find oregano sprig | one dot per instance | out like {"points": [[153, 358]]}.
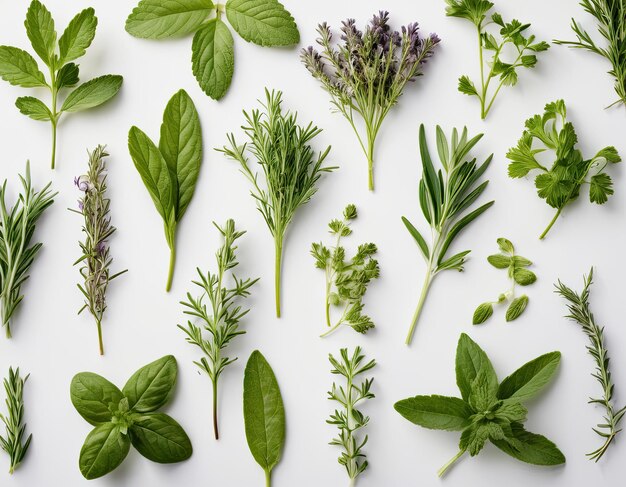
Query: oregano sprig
{"points": [[220, 323], [19, 68], [15, 443]]}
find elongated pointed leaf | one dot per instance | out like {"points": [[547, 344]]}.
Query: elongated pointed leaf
{"points": [[93, 93], [436, 412], [103, 451], [94, 397], [19, 68], [68, 75], [78, 36], [471, 361], [151, 387], [213, 58], [41, 32], [442, 147], [34, 108], [418, 238], [455, 262], [532, 448], [159, 438], [429, 176], [158, 19], [530, 378], [264, 22]]}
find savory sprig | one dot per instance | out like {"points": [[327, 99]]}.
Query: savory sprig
{"points": [[290, 168], [559, 184], [516, 267], [580, 312], [499, 69], [17, 227], [96, 258], [346, 280], [15, 443], [19, 68], [611, 18], [366, 73], [348, 419], [444, 198], [221, 324]]}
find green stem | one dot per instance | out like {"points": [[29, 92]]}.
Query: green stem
{"points": [[370, 162], [55, 116], [54, 143], [215, 426], [352, 482], [420, 304], [278, 256], [545, 232], [443, 469], [268, 478], [170, 274], [8, 329], [100, 343]]}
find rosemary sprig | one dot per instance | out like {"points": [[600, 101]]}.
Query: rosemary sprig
{"points": [[581, 313], [290, 168], [221, 324], [17, 227], [350, 420], [96, 260], [14, 443]]}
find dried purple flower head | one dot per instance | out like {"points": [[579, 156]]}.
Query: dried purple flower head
{"points": [[83, 183]]}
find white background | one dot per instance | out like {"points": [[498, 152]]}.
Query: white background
{"points": [[53, 344]]}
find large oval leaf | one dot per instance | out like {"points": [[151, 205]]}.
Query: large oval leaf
{"points": [[436, 412], [263, 412], [41, 32], [78, 36], [151, 387], [93, 93], [531, 448], [33, 108], [159, 438], [264, 22], [213, 58], [103, 451], [530, 378], [157, 19], [94, 397], [471, 361], [19, 68]]}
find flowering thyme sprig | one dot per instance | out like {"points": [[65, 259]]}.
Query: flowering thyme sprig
{"points": [[366, 72], [96, 260]]}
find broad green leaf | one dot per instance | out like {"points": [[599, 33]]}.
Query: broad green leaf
{"points": [[264, 22], [93, 93], [436, 412], [516, 308], [505, 245], [213, 58], [482, 313], [532, 448], [40, 30], [94, 397], [78, 36], [263, 412], [151, 387], [524, 277], [181, 146], [158, 19], [34, 108], [609, 154], [68, 75], [103, 451], [600, 188], [19, 68], [159, 438], [530, 378], [421, 243], [499, 261], [519, 261], [471, 360]]}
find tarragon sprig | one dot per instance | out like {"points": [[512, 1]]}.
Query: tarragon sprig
{"points": [[15, 443]]}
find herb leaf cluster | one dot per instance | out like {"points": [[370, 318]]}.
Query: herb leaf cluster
{"points": [[262, 22], [488, 410], [346, 279], [221, 324], [129, 417], [19, 68], [15, 444], [446, 198], [516, 267], [559, 184], [499, 68], [366, 73]]}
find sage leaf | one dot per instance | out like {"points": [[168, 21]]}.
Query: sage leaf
{"points": [[263, 22], [34, 108], [93, 93], [94, 397], [471, 361], [530, 378], [159, 438], [78, 36], [19, 68], [263, 412], [104, 450], [530, 447], [40, 30], [517, 307], [436, 412], [158, 19], [213, 58], [151, 387], [482, 313]]}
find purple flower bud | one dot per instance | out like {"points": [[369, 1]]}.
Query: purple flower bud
{"points": [[83, 183], [81, 205]]}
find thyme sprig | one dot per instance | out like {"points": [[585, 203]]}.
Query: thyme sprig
{"points": [[14, 443]]}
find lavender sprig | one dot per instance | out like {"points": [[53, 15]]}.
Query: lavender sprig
{"points": [[96, 260], [366, 72]]}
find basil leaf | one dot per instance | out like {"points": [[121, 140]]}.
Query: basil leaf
{"points": [[93, 93], [67, 75], [159, 438], [516, 308], [151, 387], [471, 361], [263, 412], [264, 22], [181, 146], [34, 108], [530, 378], [436, 412], [103, 451], [40, 30], [213, 58], [78, 36], [530, 447], [94, 397], [19, 68], [158, 19]]}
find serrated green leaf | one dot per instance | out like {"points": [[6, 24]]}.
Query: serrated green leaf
{"points": [[213, 58], [77, 36], [471, 361], [93, 93], [41, 32], [530, 378], [435, 412], [19, 68], [158, 19], [516, 308], [467, 87], [68, 75], [263, 22], [482, 313], [499, 261], [600, 188], [534, 449], [33, 108], [609, 154]]}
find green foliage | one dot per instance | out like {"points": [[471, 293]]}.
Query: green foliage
{"points": [[499, 68], [19, 68], [348, 419], [488, 410], [559, 184], [446, 198], [262, 22], [15, 444], [170, 171], [129, 416], [346, 279], [580, 312]]}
